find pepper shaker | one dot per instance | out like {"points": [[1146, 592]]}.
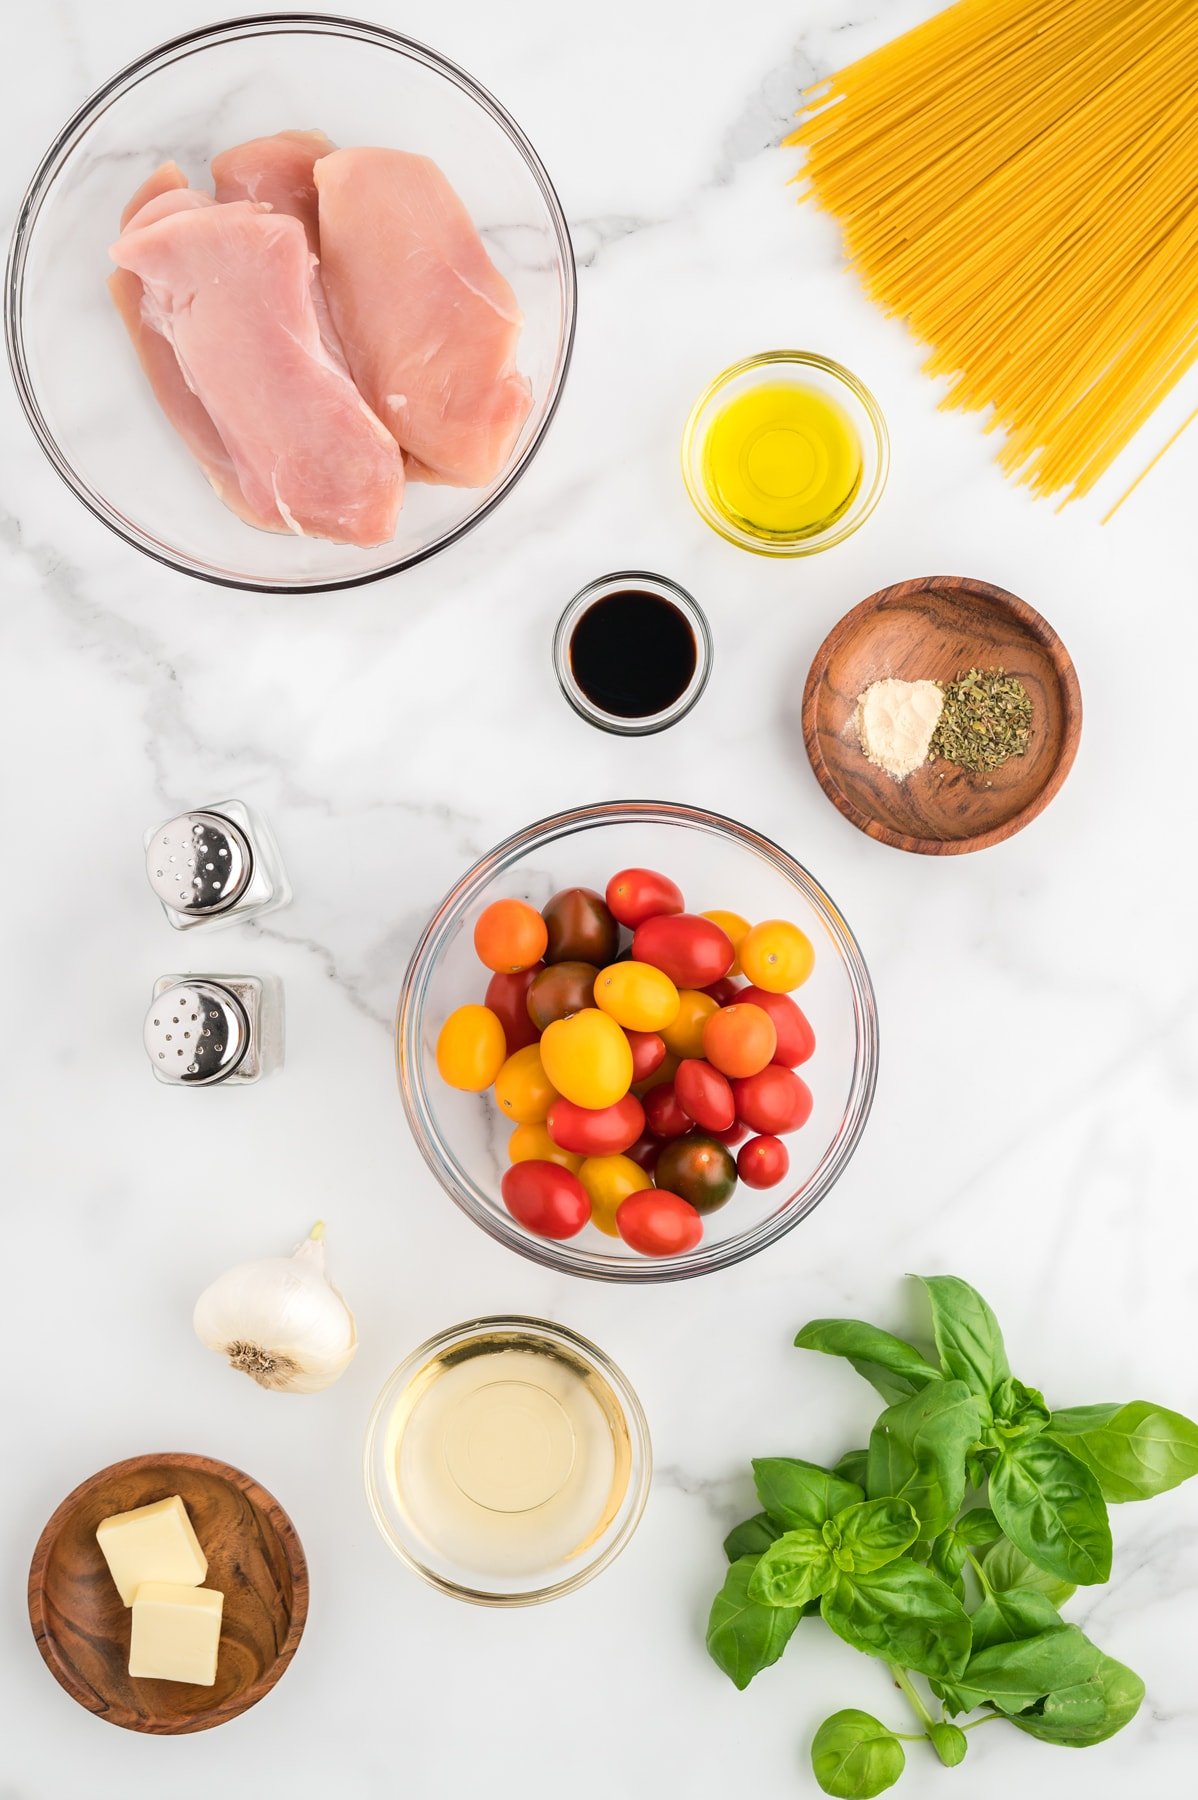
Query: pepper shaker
{"points": [[215, 865], [212, 1030]]}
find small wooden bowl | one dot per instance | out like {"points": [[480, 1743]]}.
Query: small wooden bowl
{"points": [[254, 1558], [935, 628]]}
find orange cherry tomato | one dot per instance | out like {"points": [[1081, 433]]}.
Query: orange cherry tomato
{"points": [[637, 996], [510, 935], [587, 1058], [522, 1088], [608, 1181], [773, 1101], [684, 1035], [471, 1049], [796, 1040], [776, 956], [635, 895], [507, 996], [658, 1223], [532, 1143], [739, 1040], [545, 1198], [734, 929]]}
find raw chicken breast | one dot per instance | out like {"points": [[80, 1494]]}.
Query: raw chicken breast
{"points": [[428, 324], [278, 171], [164, 192], [229, 287]]}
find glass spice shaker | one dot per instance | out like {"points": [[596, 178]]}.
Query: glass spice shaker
{"points": [[216, 865], [214, 1030]]}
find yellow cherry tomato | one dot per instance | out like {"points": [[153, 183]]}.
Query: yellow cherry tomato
{"points": [[732, 926], [522, 1088], [608, 1180], [636, 995], [685, 1036], [532, 1143], [471, 1049], [587, 1058], [776, 956]]}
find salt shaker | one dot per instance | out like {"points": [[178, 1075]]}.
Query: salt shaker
{"points": [[215, 865], [212, 1030]]}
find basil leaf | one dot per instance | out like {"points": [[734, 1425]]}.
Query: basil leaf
{"points": [[1005, 1618], [867, 1536], [851, 1467], [744, 1637], [1060, 1722], [1018, 1412], [949, 1742], [854, 1756], [889, 1364], [796, 1568], [967, 1334], [1073, 1706], [751, 1537], [1051, 1506], [796, 1493], [904, 1614], [917, 1453], [947, 1558], [1007, 1569], [978, 1528], [1136, 1450], [1016, 1675]]}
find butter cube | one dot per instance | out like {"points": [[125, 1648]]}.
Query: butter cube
{"points": [[151, 1543], [176, 1632]]}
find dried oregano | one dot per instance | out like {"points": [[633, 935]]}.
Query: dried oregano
{"points": [[986, 718]]}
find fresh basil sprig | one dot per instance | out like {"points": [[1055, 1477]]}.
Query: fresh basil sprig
{"points": [[947, 1545]]}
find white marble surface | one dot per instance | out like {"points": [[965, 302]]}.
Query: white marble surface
{"points": [[1035, 1118]]}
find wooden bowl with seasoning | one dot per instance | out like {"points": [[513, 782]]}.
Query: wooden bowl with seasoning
{"points": [[936, 628], [254, 1558]]}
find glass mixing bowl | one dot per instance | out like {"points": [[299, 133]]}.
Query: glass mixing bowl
{"points": [[83, 392], [717, 863]]}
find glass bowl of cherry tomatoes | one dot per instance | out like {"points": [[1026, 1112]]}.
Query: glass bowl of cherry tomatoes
{"points": [[637, 1042]]}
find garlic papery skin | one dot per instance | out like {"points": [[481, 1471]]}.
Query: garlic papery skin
{"points": [[280, 1320]]}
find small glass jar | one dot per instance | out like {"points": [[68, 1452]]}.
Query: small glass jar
{"points": [[657, 588], [507, 1461], [215, 865], [204, 1031]]}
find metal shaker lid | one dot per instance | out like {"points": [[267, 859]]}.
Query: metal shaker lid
{"points": [[199, 863], [196, 1033]]}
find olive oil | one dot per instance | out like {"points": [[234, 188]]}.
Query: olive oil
{"points": [[508, 1455], [782, 461]]}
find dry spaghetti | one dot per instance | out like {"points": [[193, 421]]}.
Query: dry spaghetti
{"points": [[1018, 180]]}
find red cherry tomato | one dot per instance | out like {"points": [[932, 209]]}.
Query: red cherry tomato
{"points": [[704, 1094], [691, 951], [658, 1223], [648, 1053], [604, 1131], [796, 1040], [733, 1135], [507, 997], [724, 991], [663, 1115], [635, 895], [645, 1152], [545, 1198], [762, 1162], [774, 1100]]}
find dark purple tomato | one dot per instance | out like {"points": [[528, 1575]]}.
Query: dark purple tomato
{"points": [[704, 1094], [507, 997], [602, 1131], [658, 1223], [557, 992], [699, 1168], [581, 929], [546, 1199], [691, 951], [645, 1152], [724, 991]]}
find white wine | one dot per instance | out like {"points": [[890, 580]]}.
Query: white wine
{"points": [[508, 1455]]}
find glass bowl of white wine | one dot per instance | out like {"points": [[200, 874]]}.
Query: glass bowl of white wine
{"points": [[507, 1461]]}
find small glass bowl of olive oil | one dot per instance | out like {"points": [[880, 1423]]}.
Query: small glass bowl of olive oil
{"points": [[785, 453], [507, 1461]]}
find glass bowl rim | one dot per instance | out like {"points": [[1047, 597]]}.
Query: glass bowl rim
{"points": [[66, 141], [665, 588], [850, 521], [640, 1475], [600, 1266]]}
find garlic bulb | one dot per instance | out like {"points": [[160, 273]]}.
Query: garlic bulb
{"points": [[280, 1320]]}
